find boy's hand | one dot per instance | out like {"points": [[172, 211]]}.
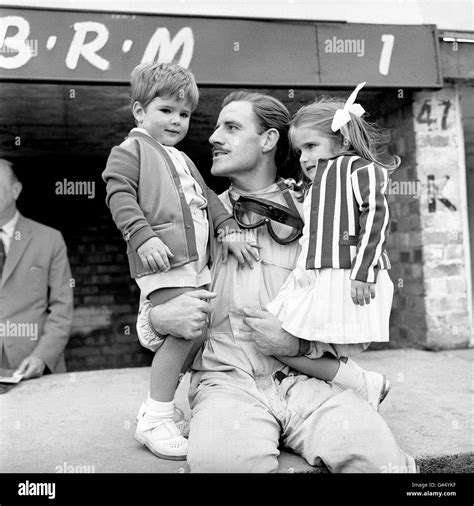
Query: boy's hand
{"points": [[361, 291], [236, 243], [154, 254]]}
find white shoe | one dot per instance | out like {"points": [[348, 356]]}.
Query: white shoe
{"points": [[378, 386], [162, 438], [180, 421]]}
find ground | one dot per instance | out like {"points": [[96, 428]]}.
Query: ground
{"points": [[84, 421]]}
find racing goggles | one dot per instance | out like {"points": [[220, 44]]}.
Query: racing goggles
{"points": [[283, 224]]}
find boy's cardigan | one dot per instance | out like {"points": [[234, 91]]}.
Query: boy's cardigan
{"points": [[146, 199], [349, 217]]}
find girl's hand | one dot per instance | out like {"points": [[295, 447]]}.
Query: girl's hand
{"points": [[361, 291], [236, 243], [154, 254]]}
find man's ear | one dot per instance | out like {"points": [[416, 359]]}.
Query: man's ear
{"points": [[270, 139], [138, 112], [17, 187]]}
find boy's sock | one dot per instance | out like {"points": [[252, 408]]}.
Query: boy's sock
{"points": [[156, 410], [350, 377]]}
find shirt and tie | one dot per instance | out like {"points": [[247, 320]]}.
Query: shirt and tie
{"points": [[6, 236]]}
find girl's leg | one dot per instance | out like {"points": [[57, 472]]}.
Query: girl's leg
{"points": [[324, 368], [343, 372]]}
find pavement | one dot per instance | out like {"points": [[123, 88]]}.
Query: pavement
{"points": [[84, 421]]}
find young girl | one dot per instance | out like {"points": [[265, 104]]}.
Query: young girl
{"points": [[339, 296]]}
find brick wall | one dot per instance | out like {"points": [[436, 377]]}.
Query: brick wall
{"points": [[407, 322], [426, 243], [105, 300], [439, 156]]}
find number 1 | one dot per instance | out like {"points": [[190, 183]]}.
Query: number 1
{"points": [[384, 63]]}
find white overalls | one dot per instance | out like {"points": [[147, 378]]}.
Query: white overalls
{"points": [[240, 410]]}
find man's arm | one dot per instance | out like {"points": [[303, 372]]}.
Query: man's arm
{"points": [[60, 307], [183, 316], [271, 338]]}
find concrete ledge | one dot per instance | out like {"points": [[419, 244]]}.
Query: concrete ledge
{"points": [[85, 420]]}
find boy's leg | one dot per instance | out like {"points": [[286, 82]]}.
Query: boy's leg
{"points": [[166, 368], [156, 427], [173, 354]]}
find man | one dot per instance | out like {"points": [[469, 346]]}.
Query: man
{"points": [[243, 399], [36, 297]]}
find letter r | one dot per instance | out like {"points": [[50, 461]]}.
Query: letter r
{"points": [[89, 50]]}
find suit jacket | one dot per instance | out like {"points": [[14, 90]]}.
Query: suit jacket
{"points": [[36, 297]]}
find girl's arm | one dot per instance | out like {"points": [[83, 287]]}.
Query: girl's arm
{"points": [[369, 183]]}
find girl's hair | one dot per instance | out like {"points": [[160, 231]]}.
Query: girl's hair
{"points": [[366, 139], [151, 80], [269, 113]]}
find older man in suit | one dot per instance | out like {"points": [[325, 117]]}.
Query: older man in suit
{"points": [[36, 296]]}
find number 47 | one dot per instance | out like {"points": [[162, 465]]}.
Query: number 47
{"points": [[385, 56]]}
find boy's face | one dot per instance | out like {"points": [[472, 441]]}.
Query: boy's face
{"points": [[165, 118]]}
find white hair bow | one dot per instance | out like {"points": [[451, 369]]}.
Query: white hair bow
{"points": [[342, 116]]}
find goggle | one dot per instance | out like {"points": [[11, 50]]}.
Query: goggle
{"points": [[284, 224]]}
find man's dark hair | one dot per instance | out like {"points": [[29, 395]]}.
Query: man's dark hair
{"points": [[269, 113]]}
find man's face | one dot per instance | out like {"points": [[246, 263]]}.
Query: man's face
{"points": [[164, 118], [236, 144], [9, 188]]}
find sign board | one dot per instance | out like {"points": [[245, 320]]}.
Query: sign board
{"points": [[60, 45]]}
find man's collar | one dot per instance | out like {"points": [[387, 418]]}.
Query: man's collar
{"points": [[9, 227], [268, 190]]}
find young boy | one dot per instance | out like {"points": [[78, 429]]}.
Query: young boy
{"points": [[163, 208]]}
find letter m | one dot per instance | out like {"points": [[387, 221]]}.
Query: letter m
{"points": [[162, 49]]}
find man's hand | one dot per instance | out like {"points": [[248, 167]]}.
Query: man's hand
{"points": [[237, 244], [154, 254], [184, 316], [361, 291], [31, 367], [268, 334]]}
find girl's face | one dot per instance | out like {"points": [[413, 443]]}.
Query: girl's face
{"points": [[311, 145]]}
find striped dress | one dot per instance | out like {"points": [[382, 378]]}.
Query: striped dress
{"points": [[346, 225]]}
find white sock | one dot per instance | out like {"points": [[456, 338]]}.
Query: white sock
{"points": [[354, 365], [350, 377], [158, 410]]}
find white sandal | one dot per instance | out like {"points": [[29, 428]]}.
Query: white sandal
{"points": [[162, 438]]}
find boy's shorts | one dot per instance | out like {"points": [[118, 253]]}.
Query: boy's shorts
{"points": [[146, 335]]}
